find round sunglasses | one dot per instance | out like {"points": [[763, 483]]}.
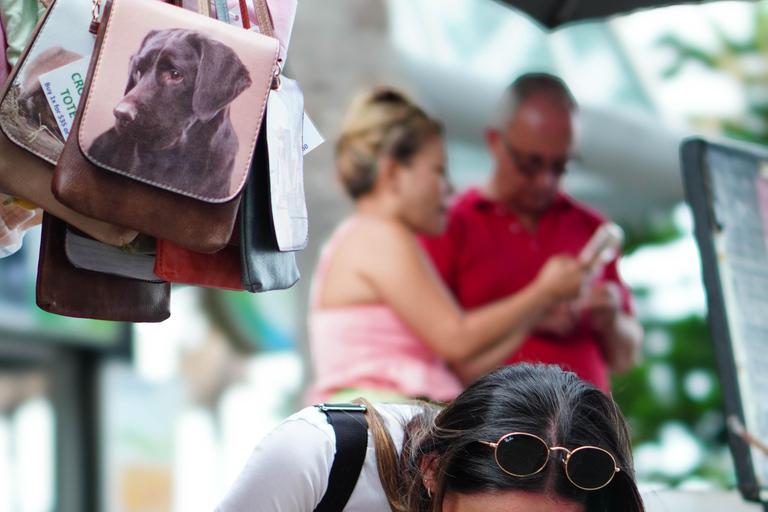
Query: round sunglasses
{"points": [[521, 454]]}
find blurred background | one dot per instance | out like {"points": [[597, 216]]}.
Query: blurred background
{"points": [[161, 418]]}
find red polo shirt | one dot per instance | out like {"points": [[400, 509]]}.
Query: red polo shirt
{"points": [[486, 254]]}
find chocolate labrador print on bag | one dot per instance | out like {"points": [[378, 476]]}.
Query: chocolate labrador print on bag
{"points": [[173, 125], [176, 99]]}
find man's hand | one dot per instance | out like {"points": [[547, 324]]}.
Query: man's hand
{"points": [[561, 277], [619, 333], [560, 321], [603, 302]]}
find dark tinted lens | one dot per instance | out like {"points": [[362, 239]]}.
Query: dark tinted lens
{"points": [[590, 468], [521, 454]]}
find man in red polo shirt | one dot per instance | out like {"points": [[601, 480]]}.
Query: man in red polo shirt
{"points": [[499, 237]]}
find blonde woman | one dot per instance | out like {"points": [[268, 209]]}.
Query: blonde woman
{"points": [[382, 325]]}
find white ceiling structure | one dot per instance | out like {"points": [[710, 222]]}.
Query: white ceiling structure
{"points": [[459, 56]]}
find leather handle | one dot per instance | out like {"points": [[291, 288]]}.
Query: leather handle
{"points": [[262, 15], [204, 8], [260, 7]]}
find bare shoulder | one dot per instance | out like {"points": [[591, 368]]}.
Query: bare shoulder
{"points": [[385, 236], [375, 243], [374, 234]]}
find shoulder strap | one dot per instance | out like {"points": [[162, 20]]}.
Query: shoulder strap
{"points": [[351, 429]]}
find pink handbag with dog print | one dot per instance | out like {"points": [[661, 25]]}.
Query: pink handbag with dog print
{"points": [[165, 135]]}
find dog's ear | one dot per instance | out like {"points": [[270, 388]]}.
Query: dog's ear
{"points": [[135, 60], [221, 77]]}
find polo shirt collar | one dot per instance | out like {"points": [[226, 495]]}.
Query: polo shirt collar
{"points": [[480, 202]]}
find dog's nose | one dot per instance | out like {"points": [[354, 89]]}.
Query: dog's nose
{"points": [[125, 113]]}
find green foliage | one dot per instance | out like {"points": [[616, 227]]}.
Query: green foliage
{"points": [[658, 232], [647, 395], [745, 61], [650, 402], [655, 393]]}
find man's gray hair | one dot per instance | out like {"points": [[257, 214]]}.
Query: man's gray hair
{"points": [[529, 85]]}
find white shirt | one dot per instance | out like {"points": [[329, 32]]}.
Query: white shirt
{"points": [[288, 470]]}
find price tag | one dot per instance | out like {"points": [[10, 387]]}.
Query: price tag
{"points": [[63, 88], [311, 135]]}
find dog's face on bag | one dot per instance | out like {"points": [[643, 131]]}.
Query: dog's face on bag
{"points": [[177, 78]]}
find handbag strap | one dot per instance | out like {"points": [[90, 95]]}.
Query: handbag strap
{"points": [[204, 8], [263, 18], [351, 429], [259, 6]]}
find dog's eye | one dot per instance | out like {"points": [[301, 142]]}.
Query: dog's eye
{"points": [[175, 75]]}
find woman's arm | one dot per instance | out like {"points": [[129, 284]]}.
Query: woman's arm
{"points": [[395, 266], [474, 368]]}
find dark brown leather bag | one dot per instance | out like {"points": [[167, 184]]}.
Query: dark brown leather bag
{"points": [[66, 290], [26, 162], [102, 173]]}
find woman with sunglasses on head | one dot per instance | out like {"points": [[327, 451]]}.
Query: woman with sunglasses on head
{"points": [[523, 438], [382, 324]]}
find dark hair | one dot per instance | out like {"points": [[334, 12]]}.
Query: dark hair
{"points": [[383, 122], [542, 400], [533, 84]]}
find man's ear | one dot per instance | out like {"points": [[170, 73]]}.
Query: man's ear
{"points": [[429, 468], [491, 136]]}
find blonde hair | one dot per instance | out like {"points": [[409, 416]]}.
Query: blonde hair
{"points": [[380, 123]]}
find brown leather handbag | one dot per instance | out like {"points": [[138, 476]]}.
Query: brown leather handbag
{"points": [[166, 150], [65, 289], [30, 139]]}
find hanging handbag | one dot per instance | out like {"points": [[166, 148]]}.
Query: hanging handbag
{"points": [[279, 227], [30, 137], [173, 159], [64, 289], [263, 266], [258, 264]]}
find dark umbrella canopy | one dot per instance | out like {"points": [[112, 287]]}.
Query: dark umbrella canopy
{"points": [[555, 13]]}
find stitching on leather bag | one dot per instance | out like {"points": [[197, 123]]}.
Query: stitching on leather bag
{"points": [[261, 118], [164, 267], [154, 183], [160, 258], [15, 75]]}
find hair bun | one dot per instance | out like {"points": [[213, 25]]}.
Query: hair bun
{"points": [[385, 94], [383, 121]]}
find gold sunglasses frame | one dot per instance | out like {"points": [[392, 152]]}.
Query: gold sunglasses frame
{"points": [[550, 449]]}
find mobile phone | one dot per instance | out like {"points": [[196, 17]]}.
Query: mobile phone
{"points": [[603, 247]]}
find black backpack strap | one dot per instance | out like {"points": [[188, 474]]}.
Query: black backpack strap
{"points": [[351, 429]]}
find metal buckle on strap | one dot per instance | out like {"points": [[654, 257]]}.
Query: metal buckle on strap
{"points": [[341, 407]]}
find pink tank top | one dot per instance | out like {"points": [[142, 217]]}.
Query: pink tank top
{"points": [[369, 347]]}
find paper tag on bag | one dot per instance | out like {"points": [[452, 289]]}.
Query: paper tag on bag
{"points": [[285, 117], [311, 135], [63, 88]]}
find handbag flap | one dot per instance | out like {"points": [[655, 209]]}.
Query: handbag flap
{"points": [[88, 254], [176, 99], [26, 116], [285, 121]]}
